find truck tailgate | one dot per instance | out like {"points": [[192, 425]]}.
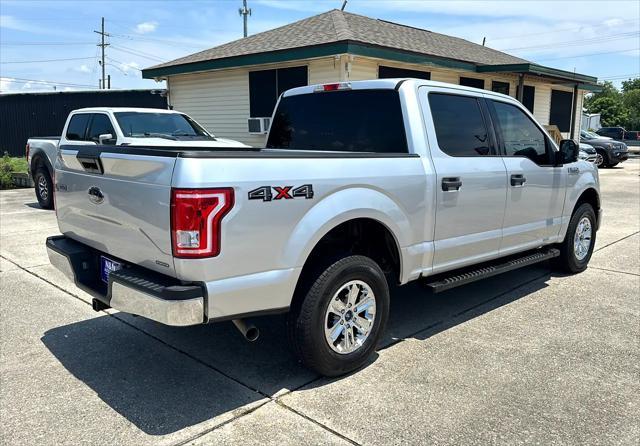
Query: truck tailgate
{"points": [[117, 203]]}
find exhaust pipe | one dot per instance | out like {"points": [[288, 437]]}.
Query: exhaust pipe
{"points": [[248, 330]]}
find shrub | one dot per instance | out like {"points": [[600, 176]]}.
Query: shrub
{"points": [[6, 167]]}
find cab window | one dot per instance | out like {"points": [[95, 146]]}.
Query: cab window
{"points": [[520, 135], [77, 127], [460, 126], [100, 125]]}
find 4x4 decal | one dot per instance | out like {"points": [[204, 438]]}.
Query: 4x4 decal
{"points": [[265, 193]]}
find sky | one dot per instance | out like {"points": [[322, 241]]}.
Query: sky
{"points": [[47, 45]]}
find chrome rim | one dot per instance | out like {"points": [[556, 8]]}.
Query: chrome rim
{"points": [[349, 317], [599, 160], [582, 239], [43, 188]]}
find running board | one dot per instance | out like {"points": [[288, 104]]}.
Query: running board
{"points": [[442, 282]]}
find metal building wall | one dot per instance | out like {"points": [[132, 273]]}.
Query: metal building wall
{"points": [[24, 115]]}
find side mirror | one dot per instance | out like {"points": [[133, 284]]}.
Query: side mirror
{"points": [[568, 152], [106, 139]]}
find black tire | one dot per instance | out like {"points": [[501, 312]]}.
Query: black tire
{"points": [[604, 157], [568, 260], [44, 188], [613, 164], [308, 316]]}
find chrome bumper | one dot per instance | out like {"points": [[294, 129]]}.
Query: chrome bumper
{"points": [[174, 305], [178, 313]]}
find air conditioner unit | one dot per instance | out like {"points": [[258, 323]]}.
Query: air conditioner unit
{"points": [[259, 125]]}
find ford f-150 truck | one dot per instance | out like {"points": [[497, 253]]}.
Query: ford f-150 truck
{"points": [[360, 185], [116, 126]]}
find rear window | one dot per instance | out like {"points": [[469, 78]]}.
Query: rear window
{"points": [[344, 121]]}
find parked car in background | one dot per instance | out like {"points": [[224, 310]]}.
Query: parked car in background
{"points": [[620, 134], [116, 126], [588, 153], [609, 151], [362, 185]]}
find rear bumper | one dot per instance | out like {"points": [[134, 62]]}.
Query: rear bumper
{"points": [[133, 289]]}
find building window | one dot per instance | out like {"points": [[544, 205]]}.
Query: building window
{"points": [[561, 103], [528, 97], [393, 72], [265, 86], [472, 82], [500, 87]]}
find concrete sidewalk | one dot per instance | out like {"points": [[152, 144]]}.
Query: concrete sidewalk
{"points": [[526, 357]]}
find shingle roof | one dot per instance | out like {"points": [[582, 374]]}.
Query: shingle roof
{"points": [[339, 26]]}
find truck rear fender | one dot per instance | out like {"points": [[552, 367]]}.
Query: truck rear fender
{"points": [[343, 206]]}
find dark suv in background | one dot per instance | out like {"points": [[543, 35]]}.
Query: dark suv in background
{"points": [[631, 138], [610, 152]]}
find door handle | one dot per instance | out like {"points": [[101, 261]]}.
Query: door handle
{"points": [[517, 180], [451, 183]]}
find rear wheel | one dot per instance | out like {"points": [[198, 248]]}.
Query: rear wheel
{"points": [[577, 247], [337, 324], [44, 188]]}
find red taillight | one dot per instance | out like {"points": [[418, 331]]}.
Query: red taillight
{"points": [[196, 216], [26, 151]]}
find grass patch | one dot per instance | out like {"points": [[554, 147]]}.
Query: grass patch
{"points": [[9, 165]]}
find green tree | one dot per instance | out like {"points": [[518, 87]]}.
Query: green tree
{"points": [[631, 84], [617, 108]]}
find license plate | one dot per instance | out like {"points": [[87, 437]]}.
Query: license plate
{"points": [[106, 267]]}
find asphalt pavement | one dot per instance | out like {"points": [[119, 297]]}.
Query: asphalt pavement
{"points": [[527, 357]]}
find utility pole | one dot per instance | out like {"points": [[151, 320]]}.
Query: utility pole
{"points": [[103, 46], [245, 12]]}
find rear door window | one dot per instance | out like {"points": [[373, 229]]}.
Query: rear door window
{"points": [[343, 121], [100, 125], [460, 126], [77, 127]]}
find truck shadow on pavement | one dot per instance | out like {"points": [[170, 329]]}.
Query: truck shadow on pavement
{"points": [[164, 379]]}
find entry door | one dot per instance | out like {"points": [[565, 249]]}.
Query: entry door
{"points": [[471, 178], [536, 189]]}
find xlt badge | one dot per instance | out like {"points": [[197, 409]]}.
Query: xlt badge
{"points": [[269, 193]]}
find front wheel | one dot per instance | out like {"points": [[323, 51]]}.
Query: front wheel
{"points": [[577, 247], [338, 323], [44, 188]]}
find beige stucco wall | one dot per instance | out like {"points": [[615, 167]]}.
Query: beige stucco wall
{"points": [[219, 100]]}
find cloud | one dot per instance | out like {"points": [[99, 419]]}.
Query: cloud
{"points": [[146, 27], [10, 22], [6, 84], [84, 69], [129, 66]]}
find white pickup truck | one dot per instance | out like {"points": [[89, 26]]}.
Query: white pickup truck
{"points": [[360, 185], [117, 126]]}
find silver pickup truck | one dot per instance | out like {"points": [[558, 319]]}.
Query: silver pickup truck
{"points": [[361, 185]]}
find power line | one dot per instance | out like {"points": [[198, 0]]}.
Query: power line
{"points": [[44, 60], [619, 76], [136, 53], [587, 55], [23, 80], [123, 63], [44, 43], [599, 39], [151, 39], [554, 31]]}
